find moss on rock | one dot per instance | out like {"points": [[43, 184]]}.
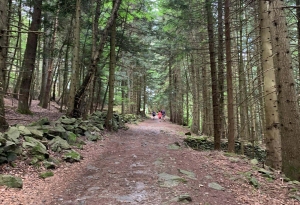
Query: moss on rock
{"points": [[11, 181], [72, 156], [47, 174]]}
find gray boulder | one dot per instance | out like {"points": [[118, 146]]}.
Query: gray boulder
{"points": [[58, 131], [36, 148], [42, 121], [24, 130], [2, 141], [58, 144], [12, 134], [67, 121], [7, 150], [72, 156], [38, 134], [71, 137], [90, 136], [49, 165], [216, 186], [69, 127]]}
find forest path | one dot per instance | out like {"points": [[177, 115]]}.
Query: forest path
{"points": [[144, 165], [132, 167]]}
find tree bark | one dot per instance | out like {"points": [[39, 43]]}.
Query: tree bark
{"points": [[75, 61], [29, 58], [111, 77], [3, 58], [298, 33], [46, 96], [170, 86], [95, 31], [18, 52], [205, 103], [6, 74], [46, 56], [144, 92], [221, 66], [211, 40], [230, 108], [287, 97], [195, 127]]}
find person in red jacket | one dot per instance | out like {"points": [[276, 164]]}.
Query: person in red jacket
{"points": [[159, 115]]}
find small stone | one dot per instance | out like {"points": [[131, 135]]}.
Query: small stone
{"points": [[216, 186], [184, 197]]}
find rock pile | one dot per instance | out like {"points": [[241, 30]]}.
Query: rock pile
{"points": [[37, 142], [206, 143]]}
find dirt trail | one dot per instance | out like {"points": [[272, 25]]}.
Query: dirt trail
{"points": [[132, 167], [127, 171]]}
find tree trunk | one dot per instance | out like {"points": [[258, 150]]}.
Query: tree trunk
{"points": [[221, 66], [145, 92], [104, 98], [123, 84], [95, 59], [170, 87], [111, 78], [205, 103], [99, 100], [216, 113], [46, 96], [195, 127], [9, 17], [229, 79], [92, 94], [187, 92], [18, 52], [46, 55], [65, 76], [29, 58], [298, 33], [287, 98], [138, 95], [94, 50], [75, 61], [3, 58]]}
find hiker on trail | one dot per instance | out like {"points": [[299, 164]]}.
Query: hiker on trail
{"points": [[163, 112], [159, 115], [153, 115]]}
